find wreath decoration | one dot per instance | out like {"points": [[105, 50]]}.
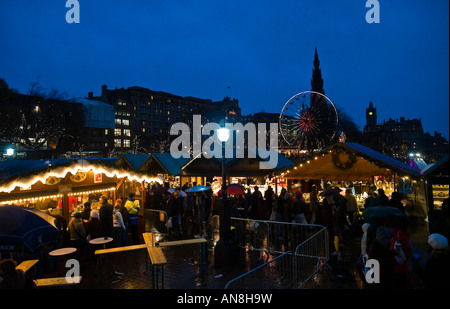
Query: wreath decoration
{"points": [[52, 180], [342, 165], [78, 177]]}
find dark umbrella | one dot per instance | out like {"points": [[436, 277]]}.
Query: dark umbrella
{"points": [[198, 189], [235, 188], [159, 189], [22, 226], [331, 191], [382, 212]]}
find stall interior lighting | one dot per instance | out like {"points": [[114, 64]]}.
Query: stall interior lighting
{"points": [[40, 198], [31, 199], [92, 191]]}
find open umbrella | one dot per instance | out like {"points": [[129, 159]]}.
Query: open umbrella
{"points": [[198, 189], [331, 191], [235, 188], [182, 193], [382, 212], [25, 227]]}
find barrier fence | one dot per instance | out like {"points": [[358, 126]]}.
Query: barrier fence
{"points": [[298, 252], [271, 236], [277, 273], [156, 219], [295, 252]]}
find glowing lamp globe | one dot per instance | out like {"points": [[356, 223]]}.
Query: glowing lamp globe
{"points": [[223, 134]]}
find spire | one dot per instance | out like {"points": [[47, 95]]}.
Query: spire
{"points": [[317, 81]]}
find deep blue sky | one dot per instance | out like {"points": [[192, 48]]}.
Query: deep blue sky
{"points": [[263, 49]]}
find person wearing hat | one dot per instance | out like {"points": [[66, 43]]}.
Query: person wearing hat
{"points": [[77, 233], [437, 269], [379, 250], [94, 226], [86, 211], [93, 230]]}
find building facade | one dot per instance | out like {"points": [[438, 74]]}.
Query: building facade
{"points": [[399, 138], [143, 117]]}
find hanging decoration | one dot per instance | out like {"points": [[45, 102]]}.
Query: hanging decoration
{"points": [[338, 163], [79, 176]]}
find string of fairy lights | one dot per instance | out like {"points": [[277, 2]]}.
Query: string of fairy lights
{"points": [[55, 196], [61, 172]]}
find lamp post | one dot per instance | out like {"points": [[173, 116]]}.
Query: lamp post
{"points": [[223, 249]]}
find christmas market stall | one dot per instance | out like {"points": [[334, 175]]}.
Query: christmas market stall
{"points": [[244, 171], [345, 164], [437, 189], [65, 185]]}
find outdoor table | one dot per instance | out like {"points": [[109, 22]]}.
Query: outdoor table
{"points": [[101, 241], [59, 253], [62, 251]]}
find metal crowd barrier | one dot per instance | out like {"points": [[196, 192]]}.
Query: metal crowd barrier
{"points": [[156, 219], [275, 274], [271, 236], [301, 250], [310, 256]]}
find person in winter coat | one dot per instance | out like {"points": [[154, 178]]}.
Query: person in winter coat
{"points": [[379, 250], [174, 210], [400, 244], [106, 218], [352, 204], [437, 268], [77, 233], [119, 226], [299, 209], [12, 278], [133, 217]]}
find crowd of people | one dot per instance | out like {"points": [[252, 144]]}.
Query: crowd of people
{"points": [[383, 239], [117, 221]]}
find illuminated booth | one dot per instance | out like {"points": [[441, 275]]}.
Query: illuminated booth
{"points": [[437, 189], [352, 163], [66, 184]]}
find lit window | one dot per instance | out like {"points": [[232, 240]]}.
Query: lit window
{"points": [[125, 122], [126, 143], [126, 132], [118, 121], [117, 143]]}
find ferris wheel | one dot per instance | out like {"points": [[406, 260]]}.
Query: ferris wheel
{"points": [[308, 121]]}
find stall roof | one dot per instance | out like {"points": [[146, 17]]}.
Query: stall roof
{"points": [[238, 167], [10, 169], [135, 160], [381, 158], [24, 173], [370, 163], [169, 163], [438, 172]]}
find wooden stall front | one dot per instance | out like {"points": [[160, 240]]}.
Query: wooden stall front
{"points": [[70, 185]]}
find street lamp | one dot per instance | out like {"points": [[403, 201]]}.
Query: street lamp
{"points": [[10, 152], [223, 249]]}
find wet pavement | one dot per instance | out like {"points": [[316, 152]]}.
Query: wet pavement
{"points": [[184, 269]]}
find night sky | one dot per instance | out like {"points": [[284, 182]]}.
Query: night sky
{"points": [[262, 49]]}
